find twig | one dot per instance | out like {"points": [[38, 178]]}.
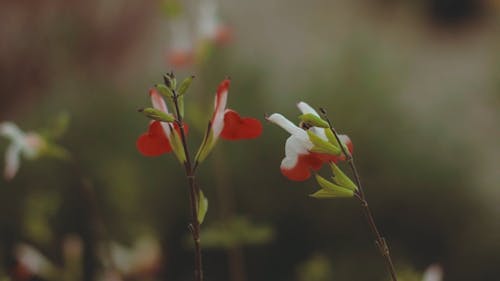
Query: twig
{"points": [[379, 240]]}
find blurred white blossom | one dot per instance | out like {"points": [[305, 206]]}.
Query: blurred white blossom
{"points": [[433, 273], [27, 144]]}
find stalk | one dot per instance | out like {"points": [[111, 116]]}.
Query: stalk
{"points": [[194, 226], [360, 195]]}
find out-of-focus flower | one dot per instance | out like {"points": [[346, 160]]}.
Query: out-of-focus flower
{"points": [[27, 144], [308, 147], [160, 135], [433, 273], [227, 124], [181, 51], [188, 46], [209, 26], [142, 260], [30, 262]]}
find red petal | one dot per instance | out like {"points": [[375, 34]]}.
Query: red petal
{"points": [[154, 142], [302, 170], [237, 128]]}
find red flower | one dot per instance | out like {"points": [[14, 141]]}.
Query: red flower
{"points": [[227, 123], [157, 139], [300, 158]]}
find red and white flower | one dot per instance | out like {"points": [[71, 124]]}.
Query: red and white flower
{"points": [[300, 158], [158, 139], [227, 123]]}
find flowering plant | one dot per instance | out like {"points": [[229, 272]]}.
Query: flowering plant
{"points": [[315, 142], [168, 132]]}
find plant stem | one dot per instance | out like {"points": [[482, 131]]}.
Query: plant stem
{"points": [[379, 239], [194, 227]]}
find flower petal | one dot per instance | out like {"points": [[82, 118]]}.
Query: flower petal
{"points": [[157, 100], [237, 128], [287, 125], [302, 169], [220, 107], [154, 142], [306, 108], [12, 161]]}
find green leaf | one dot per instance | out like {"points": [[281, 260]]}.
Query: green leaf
{"points": [[313, 120], [322, 146], [341, 179], [202, 206], [185, 85], [157, 114], [330, 190]]}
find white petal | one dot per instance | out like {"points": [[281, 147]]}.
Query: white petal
{"points": [[305, 108], [294, 147], [12, 132], [12, 161], [286, 124], [220, 109], [157, 100]]}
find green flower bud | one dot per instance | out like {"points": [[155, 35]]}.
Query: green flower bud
{"points": [[157, 114], [185, 85], [322, 146], [313, 120]]}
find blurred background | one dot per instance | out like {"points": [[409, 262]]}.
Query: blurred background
{"points": [[415, 84]]}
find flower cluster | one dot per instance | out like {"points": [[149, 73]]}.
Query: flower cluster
{"points": [[313, 143], [164, 133]]}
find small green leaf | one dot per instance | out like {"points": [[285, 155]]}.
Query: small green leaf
{"points": [[202, 207], [341, 179], [313, 120], [322, 146], [157, 114], [330, 190], [185, 85]]}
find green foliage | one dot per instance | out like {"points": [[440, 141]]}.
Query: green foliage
{"points": [[237, 231], [202, 207]]}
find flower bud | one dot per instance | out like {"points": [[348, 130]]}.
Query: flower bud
{"points": [[185, 85], [313, 120], [157, 114]]}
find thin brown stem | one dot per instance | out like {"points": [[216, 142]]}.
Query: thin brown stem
{"points": [[360, 195], [194, 227]]}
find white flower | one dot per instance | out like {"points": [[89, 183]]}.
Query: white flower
{"points": [[26, 144], [299, 158]]}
